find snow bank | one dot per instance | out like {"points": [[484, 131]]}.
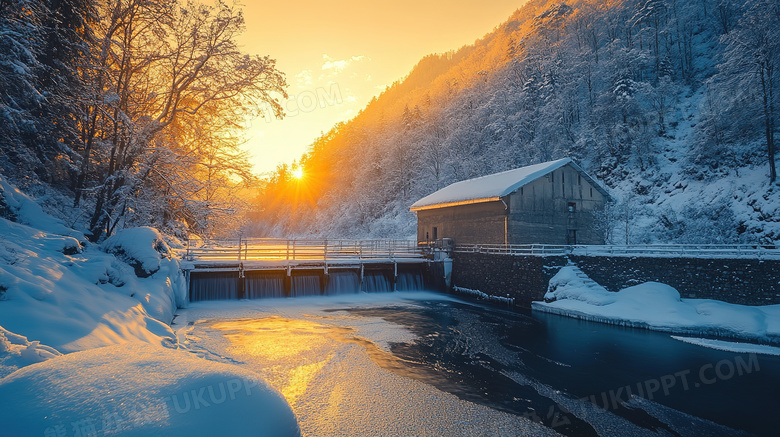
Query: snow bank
{"points": [[145, 250], [657, 306], [80, 301], [142, 248], [16, 351], [60, 290], [140, 389], [26, 210], [730, 346]]}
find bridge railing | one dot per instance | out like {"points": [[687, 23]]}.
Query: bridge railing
{"points": [[662, 250], [262, 249]]}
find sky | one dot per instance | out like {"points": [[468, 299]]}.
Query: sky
{"points": [[339, 54]]}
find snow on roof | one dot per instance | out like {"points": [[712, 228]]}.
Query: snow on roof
{"points": [[494, 186]]}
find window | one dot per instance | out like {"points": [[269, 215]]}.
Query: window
{"points": [[435, 233], [579, 179], [572, 207], [591, 191], [563, 177]]}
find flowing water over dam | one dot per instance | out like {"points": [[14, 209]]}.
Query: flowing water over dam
{"points": [[427, 364], [271, 284]]}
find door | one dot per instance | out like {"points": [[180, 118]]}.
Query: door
{"points": [[571, 237]]}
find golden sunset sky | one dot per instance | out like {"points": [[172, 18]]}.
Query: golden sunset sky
{"points": [[338, 54]]}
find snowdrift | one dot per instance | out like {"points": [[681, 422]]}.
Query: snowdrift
{"points": [[657, 306], [140, 389], [61, 291]]}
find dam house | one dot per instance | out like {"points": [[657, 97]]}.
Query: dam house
{"points": [[549, 203]]}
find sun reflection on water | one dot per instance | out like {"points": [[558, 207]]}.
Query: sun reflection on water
{"points": [[292, 352]]}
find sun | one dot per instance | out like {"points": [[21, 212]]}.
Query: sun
{"points": [[298, 173]]}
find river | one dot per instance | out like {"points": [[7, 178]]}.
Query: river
{"points": [[428, 364]]}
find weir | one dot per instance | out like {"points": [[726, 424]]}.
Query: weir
{"points": [[254, 269]]}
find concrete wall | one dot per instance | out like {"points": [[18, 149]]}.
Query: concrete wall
{"points": [[539, 212], [466, 224], [525, 278]]}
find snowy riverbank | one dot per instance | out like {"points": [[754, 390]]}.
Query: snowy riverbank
{"points": [[85, 342], [657, 306]]}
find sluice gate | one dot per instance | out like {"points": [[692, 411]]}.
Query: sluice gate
{"points": [[253, 269]]}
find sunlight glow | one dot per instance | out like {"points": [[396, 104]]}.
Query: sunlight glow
{"points": [[298, 173]]}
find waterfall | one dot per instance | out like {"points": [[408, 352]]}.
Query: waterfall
{"points": [[262, 284], [410, 281], [376, 282], [343, 283], [222, 285], [213, 286], [305, 285]]}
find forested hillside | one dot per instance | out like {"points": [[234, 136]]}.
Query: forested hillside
{"points": [[117, 113], [672, 104]]}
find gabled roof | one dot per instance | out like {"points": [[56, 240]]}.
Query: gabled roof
{"points": [[495, 186]]}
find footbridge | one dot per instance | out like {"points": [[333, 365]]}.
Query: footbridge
{"points": [[253, 268]]}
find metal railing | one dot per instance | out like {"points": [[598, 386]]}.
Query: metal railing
{"points": [[659, 250], [265, 249], [513, 249]]}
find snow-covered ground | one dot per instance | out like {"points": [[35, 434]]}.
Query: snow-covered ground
{"points": [[58, 289], [140, 389], [657, 306], [85, 342]]}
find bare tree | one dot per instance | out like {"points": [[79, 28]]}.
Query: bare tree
{"points": [[155, 63], [752, 61]]}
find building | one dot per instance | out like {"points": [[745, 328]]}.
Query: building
{"points": [[548, 203]]}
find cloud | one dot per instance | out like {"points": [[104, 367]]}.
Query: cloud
{"points": [[303, 78], [338, 65]]}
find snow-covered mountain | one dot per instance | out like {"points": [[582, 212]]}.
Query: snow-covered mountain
{"points": [[671, 104]]}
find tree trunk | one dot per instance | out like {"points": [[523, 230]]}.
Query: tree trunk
{"points": [[769, 116]]}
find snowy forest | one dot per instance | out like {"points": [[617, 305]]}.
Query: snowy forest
{"points": [[119, 113], [671, 104]]}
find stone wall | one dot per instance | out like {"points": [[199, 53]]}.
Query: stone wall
{"points": [[741, 281], [525, 278]]}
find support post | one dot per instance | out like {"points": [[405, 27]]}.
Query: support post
{"points": [[361, 276], [395, 276], [241, 281], [324, 278], [187, 281]]}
